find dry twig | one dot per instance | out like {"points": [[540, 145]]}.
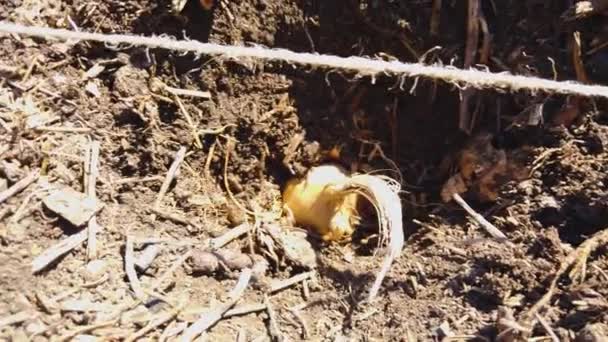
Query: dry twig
{"points": [[70, 336], [485, 224], [547, 327], [188, 92], [130, 269], [16, 318], [230, 235], [63, 129], [465, 121], [295, 311], [167, 317], [576, 259], [61, 248], [273, 326], [245, 309], [174, 217], [19, 186], [278, 285], [179, 158], [435, 18], [209, 318], [90, 182], [137, 180], [193, 130]]}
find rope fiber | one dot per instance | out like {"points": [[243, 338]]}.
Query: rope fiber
{"points": [[470, 77]]}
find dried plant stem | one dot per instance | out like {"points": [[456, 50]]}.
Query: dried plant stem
{"points": [[90, 182], [193, 131], [179, 158], [576, 258], [485, 224], [61, 248], [130, 270], [278, 285], [63, 129], [212, 244], [15, 318], [188, 92], [70, 336], [230, 235], [245, 309], [212, 316], [167, 317], [19, 186], [273, 326]]}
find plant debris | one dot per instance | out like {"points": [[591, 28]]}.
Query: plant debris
{"points": [[142, 190], [74, 206]]}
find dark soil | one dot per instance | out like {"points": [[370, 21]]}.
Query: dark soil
{"points": [[451, 278]]}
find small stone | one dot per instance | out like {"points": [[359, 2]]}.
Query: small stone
{"points": [[260, 266], [234, 260], [95, 269], [16, 231], [85, 305], [92, 88], [261, 5], [3, 184], [191, 313], [86, 338], [20, 303], [548, 202], [298, 249], [200, 200], [35, 328], [11, 170], [76, 207], [204, 262], [526, 187], [38, 119], [94, 71], [210, 262], [236, 215], [140, 315], [147, 256], [443, 330], [130, 81]]}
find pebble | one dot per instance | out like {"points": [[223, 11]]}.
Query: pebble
{"points": [[209, 262], [95, 269], [86, 338], [147, 256], [76, 207], [35, 327], [139, 315], [236, 215], [204, 262], [299, 249]]}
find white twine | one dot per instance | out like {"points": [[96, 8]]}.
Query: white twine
{"points": [[474, 78]]}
